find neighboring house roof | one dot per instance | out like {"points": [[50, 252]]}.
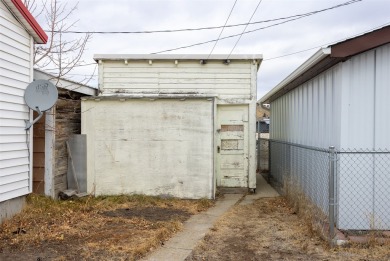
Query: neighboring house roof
{"points": [[19, 10], [65, 84], [325, 58], [204, 57]]}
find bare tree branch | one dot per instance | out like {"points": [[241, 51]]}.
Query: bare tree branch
{"points": [[62, 52]]}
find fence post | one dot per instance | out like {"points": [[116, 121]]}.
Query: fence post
{"points": [[332, 160], [258, 145]]}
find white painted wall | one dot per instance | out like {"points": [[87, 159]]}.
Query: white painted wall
{"points": [[152, 147], [232, 81], [16, 49]]}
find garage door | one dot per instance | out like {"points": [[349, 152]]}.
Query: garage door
{"points": [[153, 147]]}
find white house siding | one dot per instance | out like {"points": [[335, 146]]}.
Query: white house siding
{"points": [[231, 81], [15, 74], [365, 178], [153, 147]]}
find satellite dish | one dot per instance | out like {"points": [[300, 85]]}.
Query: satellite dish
{"points": [[40, 96]]}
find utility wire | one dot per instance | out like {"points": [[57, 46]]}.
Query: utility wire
{"points": [[215, 44], [261, 28], [227, 37], [288, 54], [204, 28], [326, 44], [243, 31]]}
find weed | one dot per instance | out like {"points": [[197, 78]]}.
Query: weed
{"points": [[80, 224]]}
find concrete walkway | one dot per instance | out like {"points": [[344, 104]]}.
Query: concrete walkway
{"points": [[263, 190], [180, 246]]}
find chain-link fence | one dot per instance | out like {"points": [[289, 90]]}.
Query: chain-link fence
{"points": [[363, 178], [347, 188]]}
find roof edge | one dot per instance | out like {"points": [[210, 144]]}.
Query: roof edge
{"points": [[314, 59], [65, 83], [98, 57], [24, 16], [361, 43]]}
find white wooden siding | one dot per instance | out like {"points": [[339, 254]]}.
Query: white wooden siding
{"points": [[213, 78], [15, 75], [161, 147]]}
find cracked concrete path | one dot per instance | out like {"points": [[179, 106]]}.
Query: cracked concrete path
{"points": [[181, 245]]}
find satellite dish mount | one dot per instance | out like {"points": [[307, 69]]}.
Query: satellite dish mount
{"points": [[40, 96]]}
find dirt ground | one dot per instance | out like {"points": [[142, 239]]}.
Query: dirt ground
{"points": [[128, 227], [103, 228], [270, 230]]}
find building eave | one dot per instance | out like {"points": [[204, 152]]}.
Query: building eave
{"points": [[65, 84], [325, 58], [20, 11], [179, 57], [299, 75]]}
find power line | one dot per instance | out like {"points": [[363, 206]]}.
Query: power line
{"points": [[239, 38], [81, 65], [235, 2], [204, 28], [227, 37], [326, 44], [261, 28]]}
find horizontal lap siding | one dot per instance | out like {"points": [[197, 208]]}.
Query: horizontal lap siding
{"points": [[213, 78], [15, 70]]}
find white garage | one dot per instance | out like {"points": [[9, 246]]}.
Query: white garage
{"points": [[177, 125]]}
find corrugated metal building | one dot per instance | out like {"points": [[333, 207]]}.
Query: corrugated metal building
{"points": [[18, 32], [177, 125], [340, 97]]}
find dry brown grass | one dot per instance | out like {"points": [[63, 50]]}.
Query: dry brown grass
{"points": [[271, 229], [108, 227]]}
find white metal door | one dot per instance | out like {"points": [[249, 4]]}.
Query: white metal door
{"points": [[232, 146]]}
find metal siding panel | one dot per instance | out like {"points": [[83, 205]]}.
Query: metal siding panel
{"points": [[358, 101], [382, 137], [382, 97], [305, 115]]}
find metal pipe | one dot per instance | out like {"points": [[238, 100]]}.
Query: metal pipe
{"points": [[332, 160], [29, 124]]}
